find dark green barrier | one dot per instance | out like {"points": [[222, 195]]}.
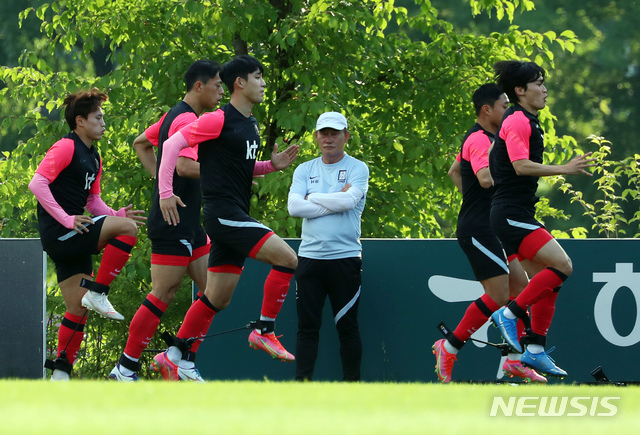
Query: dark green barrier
{"points": [[22, 308], [409, 286]]}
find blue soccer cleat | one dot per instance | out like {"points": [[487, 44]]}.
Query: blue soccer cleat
{"points": [[543, 363], [507, 328]]}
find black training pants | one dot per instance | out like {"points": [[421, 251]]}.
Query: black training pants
{"points": [[340, 280]]}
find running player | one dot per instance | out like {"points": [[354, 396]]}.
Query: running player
{"points": [[175, 250], [470, 173], [66, 183], [229, 140], [516, 165]]}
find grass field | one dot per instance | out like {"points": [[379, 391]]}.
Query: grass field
{"points": [[155, 407]]}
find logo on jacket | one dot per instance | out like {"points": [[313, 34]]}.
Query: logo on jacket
{"points": [[88, 180], [342, 175], [252, 150]]}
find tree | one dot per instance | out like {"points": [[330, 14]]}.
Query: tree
{"points": [[591, 90], [407, 100]]}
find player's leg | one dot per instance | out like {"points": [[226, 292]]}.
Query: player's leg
{"points": [[72, 259], [244, 237], [310, 298], [344, 294], [216, 275], [197, 271], [273, 250], [518, 280], [514, 226], [71, 331], [118, 235], [166, 280], [540, 296], [223, 273], [547, 254], [278, 253], [489, 264]]}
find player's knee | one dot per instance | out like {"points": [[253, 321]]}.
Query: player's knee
{"points": [[566, 267], [290, 261], [165, 293], [222, 304], [219, 302], [129, 228]]}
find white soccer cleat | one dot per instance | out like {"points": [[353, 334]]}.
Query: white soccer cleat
{"points": [[99, 303], [190, 375], [59, 376], [117, 375]]}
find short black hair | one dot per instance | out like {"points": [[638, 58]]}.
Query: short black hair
{"points": [[201, 70], [82, 103], [239, 66], [515, 73], [488, 93]]}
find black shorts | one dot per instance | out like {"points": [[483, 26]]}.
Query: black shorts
{"points": [[512, 223], [486, 256], [234, 237], [71, 253], [170, 252]]}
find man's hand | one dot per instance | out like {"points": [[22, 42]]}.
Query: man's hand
{"points": [[135, 215], [579, 164], [170, 210], [346, 187], [80, 223], [285, 158]]}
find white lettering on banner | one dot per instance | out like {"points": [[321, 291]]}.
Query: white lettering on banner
{"points": [[252, 150], [554, 406], [622, 277], [465, 291]]}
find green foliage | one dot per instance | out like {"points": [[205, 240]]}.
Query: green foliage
{"points": [[617, 182], [408, 102], [592, 85]]}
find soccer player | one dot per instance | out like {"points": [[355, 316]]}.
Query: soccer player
{"points": [[228, 140], [329, 192], [499, 277], [516, 165], [183, 248], [66, 183]]}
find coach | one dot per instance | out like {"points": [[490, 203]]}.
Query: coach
{"points": [[329, 193]]}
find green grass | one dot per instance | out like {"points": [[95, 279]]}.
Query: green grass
{"points": [[256, 408]]}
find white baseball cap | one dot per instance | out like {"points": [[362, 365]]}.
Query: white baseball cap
{"points": [[334, 120]]}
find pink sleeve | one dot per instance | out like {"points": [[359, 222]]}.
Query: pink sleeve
{"points": [[190, 153], [263, 167], [458, 158], [205, 128], [97, 207], [516, 133], [153, 132], [477, 146], [57, 158], [39, 185], [181, 121], [171, 152]]}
